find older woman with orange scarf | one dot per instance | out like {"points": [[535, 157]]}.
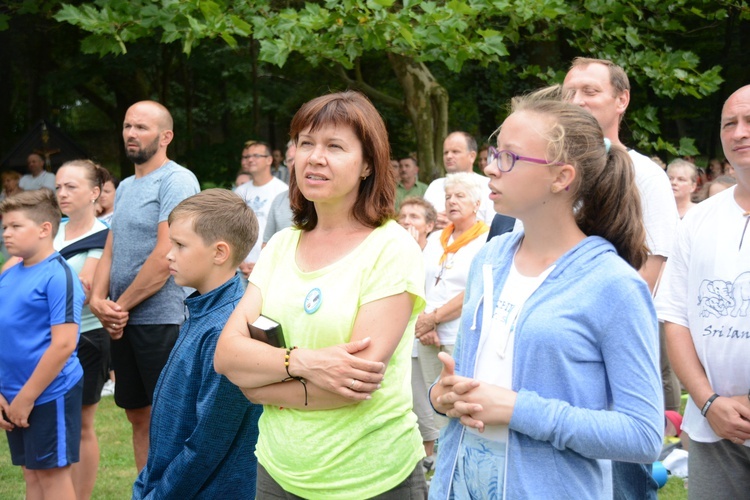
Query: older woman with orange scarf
{"points": [[448, 255]]}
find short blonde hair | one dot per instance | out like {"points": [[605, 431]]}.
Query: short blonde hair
{"points": [[10, 174], [220, 215], [39, 205], [466, 181], [680, 163]]}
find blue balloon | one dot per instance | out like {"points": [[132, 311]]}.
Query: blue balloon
{"points": [[659, 473]]}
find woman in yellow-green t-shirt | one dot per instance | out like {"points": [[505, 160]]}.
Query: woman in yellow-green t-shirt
{"points": [[346, 283]]}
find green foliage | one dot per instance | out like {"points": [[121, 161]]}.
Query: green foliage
{"points": [[516, 45], [646, 134], [115, 23], [635, 34], [646, 28]]}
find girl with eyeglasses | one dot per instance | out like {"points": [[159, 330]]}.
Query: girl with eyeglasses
{"points": [[555, 369]]}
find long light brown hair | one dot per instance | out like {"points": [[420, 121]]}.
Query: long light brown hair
{"points": [[606, 201]]}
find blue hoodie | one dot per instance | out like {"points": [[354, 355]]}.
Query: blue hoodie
{"points": [[585, 367], [203, 429]]}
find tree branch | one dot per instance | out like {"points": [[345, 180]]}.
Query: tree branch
{"points": [[98, 101], [372, 93]]}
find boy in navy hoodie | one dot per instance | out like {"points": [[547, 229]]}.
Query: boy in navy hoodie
{"points": [[203, 429]]}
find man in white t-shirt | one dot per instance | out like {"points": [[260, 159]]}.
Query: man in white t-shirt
{"points": [[259, 193], [603, 89], [37, 178], [459, 153], [704, 301]]}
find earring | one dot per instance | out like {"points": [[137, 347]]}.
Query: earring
{"points": [[555, 190], [364, 177]]}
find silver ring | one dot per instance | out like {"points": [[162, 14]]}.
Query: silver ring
{"points": [[352, 386], [114, 325]]}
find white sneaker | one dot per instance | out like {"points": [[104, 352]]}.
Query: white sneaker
{"points": [[108, 389]]}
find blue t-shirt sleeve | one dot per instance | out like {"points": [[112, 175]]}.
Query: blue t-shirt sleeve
{"points": [[64, 295], [176, 187]]}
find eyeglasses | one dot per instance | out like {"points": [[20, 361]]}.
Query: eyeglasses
{"points": [[254, 156], [506, 160]]}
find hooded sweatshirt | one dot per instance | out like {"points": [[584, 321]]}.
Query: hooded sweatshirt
{"points": [[585, 367], [203, 429]]}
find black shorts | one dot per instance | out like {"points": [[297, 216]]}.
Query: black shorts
{"points": [[53, 437], [138, 358], [93, 353]]}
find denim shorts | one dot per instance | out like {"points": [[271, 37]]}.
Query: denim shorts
{"points": [[480, 469]]}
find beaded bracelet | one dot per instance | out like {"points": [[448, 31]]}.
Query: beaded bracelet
{"points": [[301, 380], [287, 356]]}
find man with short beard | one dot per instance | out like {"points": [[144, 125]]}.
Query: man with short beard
{"points": [[133, 293]]}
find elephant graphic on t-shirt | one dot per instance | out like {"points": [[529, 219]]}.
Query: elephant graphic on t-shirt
{"points": [[741, 294], [715, 297]]}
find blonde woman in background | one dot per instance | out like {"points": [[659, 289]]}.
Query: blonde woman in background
{"points": [[683, 176], [447, 258], [80, 240]]}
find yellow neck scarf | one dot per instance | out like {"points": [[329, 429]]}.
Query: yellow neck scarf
{"points": [[470, 234]]}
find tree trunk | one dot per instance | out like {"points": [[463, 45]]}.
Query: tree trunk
{"points": [[426, 103], [254, 48]]}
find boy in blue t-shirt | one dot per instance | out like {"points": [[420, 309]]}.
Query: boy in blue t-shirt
{"points": [[40, 376], [203, 429]]}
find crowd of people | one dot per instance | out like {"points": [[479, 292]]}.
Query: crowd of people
{"points": [[335, 328]]}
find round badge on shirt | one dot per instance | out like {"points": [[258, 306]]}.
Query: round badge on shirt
{"points": [[313, 300]]}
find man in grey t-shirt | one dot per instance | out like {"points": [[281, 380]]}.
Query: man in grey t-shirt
{"points": [[133, 293]]}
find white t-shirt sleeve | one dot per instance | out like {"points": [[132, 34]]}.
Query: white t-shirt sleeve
{"points": [[671, 300], [435, 194], [657, 201], [49, 181], [260, 198]]}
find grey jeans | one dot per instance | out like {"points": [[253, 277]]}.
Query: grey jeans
{"points": [[718, 471]]}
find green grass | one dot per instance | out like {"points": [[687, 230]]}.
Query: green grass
{"points": [[117, 468], [673, 490]]}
